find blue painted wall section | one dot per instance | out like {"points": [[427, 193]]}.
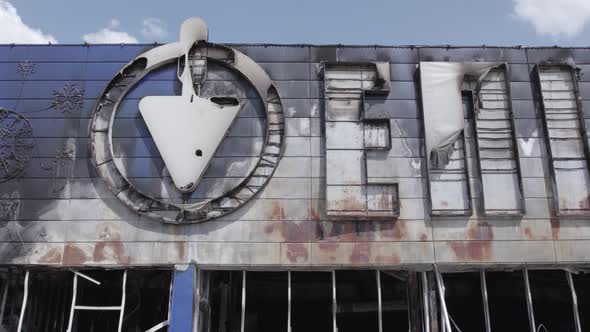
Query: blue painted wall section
{"points": [[181, 306]]}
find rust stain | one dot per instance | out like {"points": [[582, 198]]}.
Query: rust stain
{"points": [[365, 230], [350, 202], [327, 251], [313, 214], [328, 246], [295, 231], [480, 230], [528, 233], [107, 231], [444, 204], [277, 211], [400, 230], [385, 202], [472, 250], [344, 231], [297, 253], [290, 231], [388, 259], [554, 220], [361, 253], [181, 250], [423, 237], [110, 250], [585, 203], [479, 248], [74, 255], [53, 256]]}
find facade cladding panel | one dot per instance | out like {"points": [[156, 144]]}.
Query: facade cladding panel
{"points": [[58, 211]]}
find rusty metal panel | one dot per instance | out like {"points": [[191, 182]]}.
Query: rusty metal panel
{"points": [[494, 252], [567, 141], [450, 192]]}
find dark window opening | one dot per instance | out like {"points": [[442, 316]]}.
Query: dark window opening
{"points": [[356, 297], [394, 301], [552, 301], [464, 300], [224, 306], [311, 301], [582, 286], [147, 301], [50, 295], [266, 301], [507, 301]]}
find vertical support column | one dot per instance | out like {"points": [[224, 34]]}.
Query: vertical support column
{"points": [[334, 304], [24, 306], [529, 301], [484, 298], [3, 301], [123, 299], [425, 302], [73, 307], [197, 300], [289, 299], [432, 303], [414, 302], [181, 303], [570, 282], [379, 302], [443, 304], [243, 321]]}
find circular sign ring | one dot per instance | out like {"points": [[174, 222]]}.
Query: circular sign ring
{"points": [[103, 117]]}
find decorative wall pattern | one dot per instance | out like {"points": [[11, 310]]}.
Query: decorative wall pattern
{"points": [[16, 144]]}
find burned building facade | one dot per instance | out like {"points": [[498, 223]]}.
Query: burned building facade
{"points": [[196, 186]]}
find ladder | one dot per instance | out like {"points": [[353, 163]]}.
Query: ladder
{"points": [[76, 306]]}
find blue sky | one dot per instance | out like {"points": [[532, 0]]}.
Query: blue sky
{"points": [[393, 22]]}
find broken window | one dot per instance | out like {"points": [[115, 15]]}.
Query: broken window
{"points": [[12, 289], [49, 300], [496, 147], [147, 299], [357, 301], [465, 304], [47, 297], [351, 140], [225, 301], [581, 283], [566, 138], [311, 301], [507, 301], [266, 302], [394, 301], [552, 300]]}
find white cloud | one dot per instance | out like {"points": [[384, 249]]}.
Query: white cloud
{"points": [[153, 28], [110, 35], [555, 18], [14, 30]]}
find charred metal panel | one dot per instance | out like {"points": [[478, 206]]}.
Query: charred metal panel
{"points": [[348, 139], [449, 188], [497, 152], [567, 140]]}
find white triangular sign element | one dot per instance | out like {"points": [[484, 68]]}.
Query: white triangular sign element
{"points": [[187, 131]]}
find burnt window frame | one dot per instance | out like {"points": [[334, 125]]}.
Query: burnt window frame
{"points": [[536, 75], [482, 199]]}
